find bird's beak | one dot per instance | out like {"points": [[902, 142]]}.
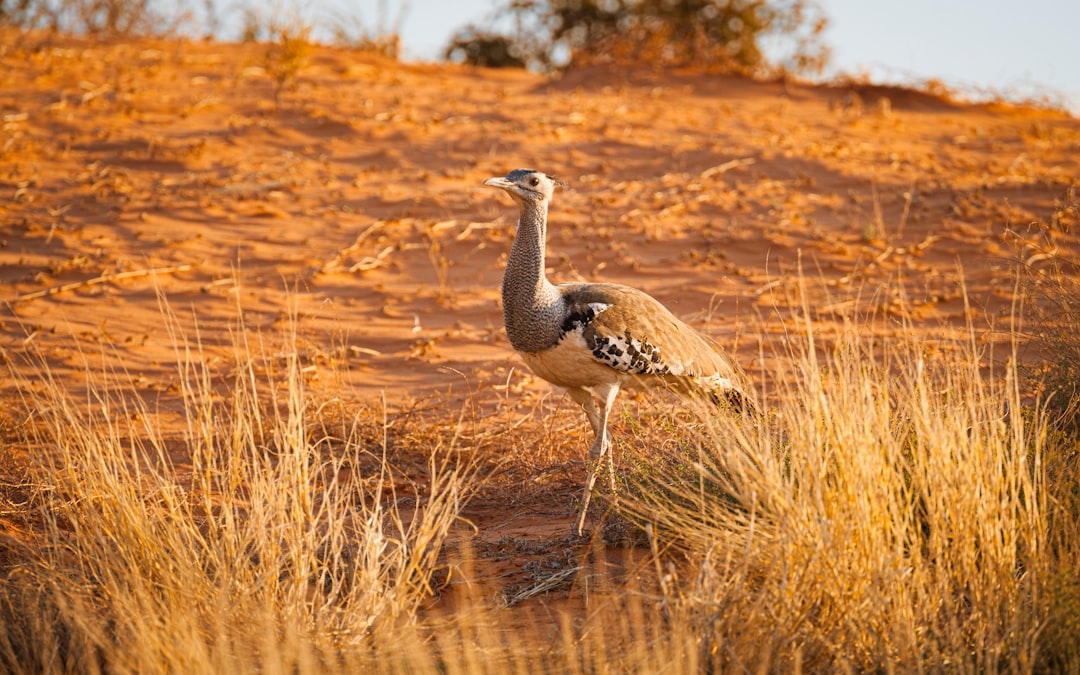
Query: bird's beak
{"points": [[499, 183]]}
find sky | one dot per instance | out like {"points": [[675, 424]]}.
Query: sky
{"points": [[1026, 48]]}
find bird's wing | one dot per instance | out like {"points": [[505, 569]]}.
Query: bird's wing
{"points": [[632, 332]]}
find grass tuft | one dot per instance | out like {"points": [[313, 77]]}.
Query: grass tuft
{"points": [[894, 510], [256, 535]]}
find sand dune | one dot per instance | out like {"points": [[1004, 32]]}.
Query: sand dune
{"points": [[360, 200], [139, 173]]}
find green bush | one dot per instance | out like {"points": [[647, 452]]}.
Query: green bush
{"points": [[481, 48], [728, 35]]}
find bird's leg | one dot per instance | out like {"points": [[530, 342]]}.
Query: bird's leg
{"points": [[609, 400], [601, 444], [585, 399]]}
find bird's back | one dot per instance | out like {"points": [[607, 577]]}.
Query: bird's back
{"points": [[632, 336]]}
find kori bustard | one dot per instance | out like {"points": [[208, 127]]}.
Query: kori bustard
{"points": [[592, 339]]}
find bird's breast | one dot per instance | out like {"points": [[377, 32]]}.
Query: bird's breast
{"points": [[570, 363]]}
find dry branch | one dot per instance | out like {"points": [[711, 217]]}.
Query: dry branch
{"points": [[336, 261], [555, 581], [115, 276], [370, 263], [727, 166]]}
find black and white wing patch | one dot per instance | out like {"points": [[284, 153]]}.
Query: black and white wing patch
{"points": [[625, 352], [580, 318], [631, 355]]}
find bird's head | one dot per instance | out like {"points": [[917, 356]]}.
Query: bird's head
{"points": [[527, 186]]}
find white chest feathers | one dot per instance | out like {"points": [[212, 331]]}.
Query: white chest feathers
{"points": [[571, 363]]}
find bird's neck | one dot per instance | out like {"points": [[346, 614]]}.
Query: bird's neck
{"points": [[532, 305]]}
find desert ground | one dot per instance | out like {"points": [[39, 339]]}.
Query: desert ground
{"points": [[341, 197]]}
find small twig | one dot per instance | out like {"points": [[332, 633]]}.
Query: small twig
{"points": [[224, 281], [768, 287], [556, 580], [908, 197], [116, 276], [926, 243], [336, 260], [727, 166], [370, 263], [464, 234], [364, 350], [878, 259], [879, 221]]}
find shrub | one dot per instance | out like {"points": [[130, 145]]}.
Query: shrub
{"points": [[88, 17], [485, 49], [725, 35], [287, 53]]}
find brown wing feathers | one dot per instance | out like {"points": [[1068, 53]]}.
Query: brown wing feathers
{"points": [[632, 332]]}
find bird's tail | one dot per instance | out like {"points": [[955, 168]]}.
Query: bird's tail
{"points": [[734, 399], [725, 392]]}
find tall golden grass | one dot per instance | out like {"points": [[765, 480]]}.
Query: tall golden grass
{"points": [[901, 509], [896, 508], [255, 541]]}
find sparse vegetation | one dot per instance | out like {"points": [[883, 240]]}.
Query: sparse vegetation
{"points": [[381, 36], [284, 26], [228, 493], [704, 33], [897, 511], [893, 510], [287, 53], [104, 18], [270, 532]]}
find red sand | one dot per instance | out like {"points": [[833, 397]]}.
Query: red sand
{"points": [[358, 207]]}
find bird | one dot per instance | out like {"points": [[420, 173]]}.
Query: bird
{"points": [[594, 339]]}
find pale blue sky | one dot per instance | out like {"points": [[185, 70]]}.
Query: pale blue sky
{"points": [[1028, 47]]}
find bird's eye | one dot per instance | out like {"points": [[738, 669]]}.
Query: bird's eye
{"points": [[534, 181]]}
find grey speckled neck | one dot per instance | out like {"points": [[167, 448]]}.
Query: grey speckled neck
{"points": [[533, 309]]}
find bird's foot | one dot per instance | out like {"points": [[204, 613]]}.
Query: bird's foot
{"points": [[596, 460]]}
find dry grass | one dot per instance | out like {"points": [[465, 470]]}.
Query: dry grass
{"points": [[287, 53], [897, 510], [1051, 286], [894, 510], [258, 537]]}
